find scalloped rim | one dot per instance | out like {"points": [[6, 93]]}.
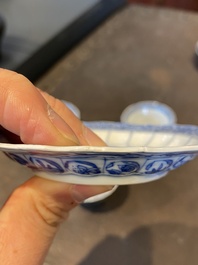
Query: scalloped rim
{"points": [[184, 129]]}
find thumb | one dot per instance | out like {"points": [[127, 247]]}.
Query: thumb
{"points": [[30, 218]]}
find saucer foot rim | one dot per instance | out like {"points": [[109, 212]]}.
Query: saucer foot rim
{"points": [[102, 180]]}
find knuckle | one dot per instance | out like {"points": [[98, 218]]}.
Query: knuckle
{"points": [[44, 208]]}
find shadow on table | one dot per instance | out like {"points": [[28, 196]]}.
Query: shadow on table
{"points": [[167, 243], [195, 60]]}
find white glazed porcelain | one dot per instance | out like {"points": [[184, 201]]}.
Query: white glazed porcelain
{"points": [[135, 154], [102, 196], [73, 108], [148, 113]]}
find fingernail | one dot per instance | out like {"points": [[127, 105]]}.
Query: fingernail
{"points": [[91, 138], [62, 126], [80, 193]]}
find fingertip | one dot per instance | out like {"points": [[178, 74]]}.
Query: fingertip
{"points": [[88, 137]]}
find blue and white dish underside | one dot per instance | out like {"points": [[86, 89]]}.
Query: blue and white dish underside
{"points": [[135, 154]]}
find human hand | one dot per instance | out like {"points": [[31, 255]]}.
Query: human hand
{"points": [[31, 216]]}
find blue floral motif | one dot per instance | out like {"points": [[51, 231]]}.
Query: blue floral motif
{"points": [[158, 166], [122, 167], [182, 160], [104, 164], [47, 164], [82, 167], [18, 159]]}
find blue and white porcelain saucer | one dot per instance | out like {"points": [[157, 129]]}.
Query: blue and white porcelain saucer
{"points": [[135, 154], [148, 113]]}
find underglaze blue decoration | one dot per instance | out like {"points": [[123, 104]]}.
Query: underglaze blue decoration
{"points": [[122, 167], [46, 164], [158, 166], [17, 158], [117, 126], [107, 165], [134, 154], [182, 160], [82, 167]]}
